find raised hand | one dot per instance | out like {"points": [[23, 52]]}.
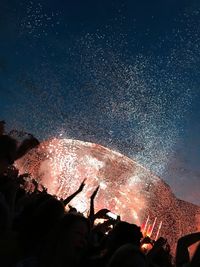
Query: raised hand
{"points": [[68, 199], [94, 193], [101, 214], [92, 197], [182, 251], [82, 185]]}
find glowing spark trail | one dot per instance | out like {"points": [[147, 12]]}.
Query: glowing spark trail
{"points": [[145, 226], [158, 232], [152, 228]]}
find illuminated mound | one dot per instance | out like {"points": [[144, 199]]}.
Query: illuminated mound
{"points": [[126, 187]]}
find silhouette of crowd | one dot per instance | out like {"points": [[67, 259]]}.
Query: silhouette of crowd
{"points": [[38, 229]]}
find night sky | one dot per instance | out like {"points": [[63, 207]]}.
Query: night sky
{"points": [[124, 74]]}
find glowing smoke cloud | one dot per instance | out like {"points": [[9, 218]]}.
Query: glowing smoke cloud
{"points": [[126, 188], [62, 164]]}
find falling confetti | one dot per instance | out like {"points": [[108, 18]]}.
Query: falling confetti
{"points": [[93, 87]]}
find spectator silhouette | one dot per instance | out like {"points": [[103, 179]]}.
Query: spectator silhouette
{"points": [[35, 230], [37, 223], [122, 233], [128, 256], [8, 150], [182, 252], [67, 243]]}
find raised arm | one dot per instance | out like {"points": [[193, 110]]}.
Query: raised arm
{"points": [[91, 214], [195, 262], [182, 253], [101, 214], [68, 199]]}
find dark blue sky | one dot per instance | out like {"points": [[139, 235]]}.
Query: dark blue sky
{"points": [[124, 74]]}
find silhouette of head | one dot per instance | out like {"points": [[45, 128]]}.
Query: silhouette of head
{"points": [[126, 256], [67, 242], [124, 233], [8, 148]]}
